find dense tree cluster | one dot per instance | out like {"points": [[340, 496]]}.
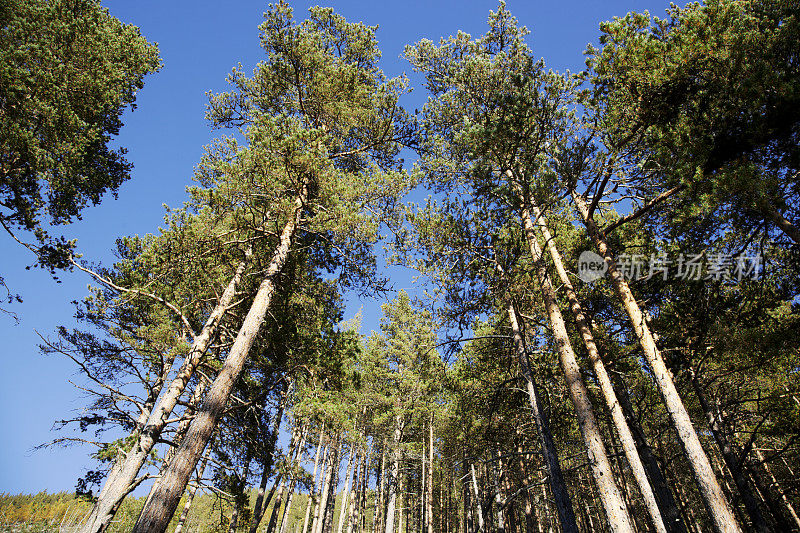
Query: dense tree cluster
{"points": [[655, 388]]}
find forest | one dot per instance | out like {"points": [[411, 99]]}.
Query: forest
{"points": [[607, 334]]}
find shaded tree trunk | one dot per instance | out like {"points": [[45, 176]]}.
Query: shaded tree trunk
{"points": [[566, 514], [260, 506]]}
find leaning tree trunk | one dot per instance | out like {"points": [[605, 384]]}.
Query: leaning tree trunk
{"points": [[613, 504], [617, 416], [192, 491], [297, 442], [717, 505], [555, 477], [155, 516], [120, 480]]}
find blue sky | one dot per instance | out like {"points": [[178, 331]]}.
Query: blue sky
{"points": [[200, 43]]}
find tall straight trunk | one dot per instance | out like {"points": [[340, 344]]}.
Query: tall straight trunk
{"points": [[403, 505], [555, 477], [312, 494], [329, 504], [717, 505], [394, 474], [156, 514], [380, 491], [313, 497], [193, 490], [466, 491], [498, 499], [478, 500], [351, 464], [732, 462], [617, 416], [423, 480], [666, 501], [260, 507], [352, 507], [123, 475], [529, 509], [323, 478], [299, 459], [616, 513], [429, 516]]}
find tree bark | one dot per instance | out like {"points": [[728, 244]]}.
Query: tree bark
{"points": [[617, 416], [391, 503], [192, 491], [555, 477], [156, 514], [713, 497], [297, 442], [429, 516], [351, 464], [329, 503], [616, 512]]}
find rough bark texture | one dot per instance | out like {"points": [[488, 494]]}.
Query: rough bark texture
{"points": [[155, 516], [119, 481], [617, 416], [192, 491], [313, 494], [713, 497], [555, 477], [613, 504]]}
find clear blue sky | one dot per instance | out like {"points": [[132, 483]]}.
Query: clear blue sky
{"points": [[200, 42]]}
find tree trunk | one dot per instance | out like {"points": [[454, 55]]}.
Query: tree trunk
{"points": [[391, 503], [156, 514], [352, 507], [329, 503], [352, 464], [735, 467], [429, 516], [193, 490], [123, 475], [616, 513], [774, 483], [713, 497], [498, 499], [297, 442], [617, 416], [299, 459], [312, 495], [478, 500], [666, 501], [555, 477], [380, 493], [313, 500], [260, 507], [782, 222]]}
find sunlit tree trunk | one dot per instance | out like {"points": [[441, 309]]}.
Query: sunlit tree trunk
{"points": [[123, 475], [193, 490], [713, 497], [158, 511], [613, 504], [617, 416], [392, 481]]}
